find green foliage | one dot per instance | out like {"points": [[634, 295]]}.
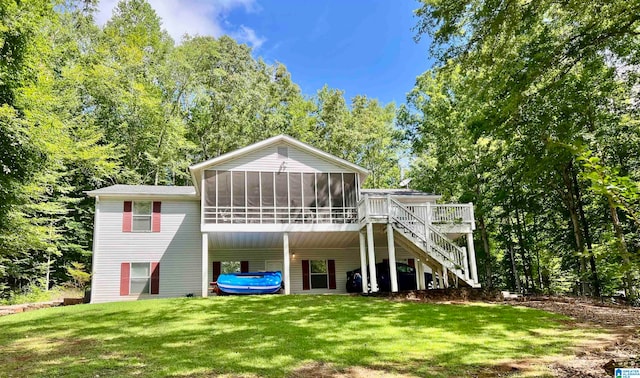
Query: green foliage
{"points": [[276, 336], [522, 91], [80, 278]]}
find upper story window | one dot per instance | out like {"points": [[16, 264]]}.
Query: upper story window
{"points": [[141, 216], [283, 152]]}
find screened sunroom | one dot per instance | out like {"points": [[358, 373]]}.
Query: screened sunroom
{"points": [[279, 197]]}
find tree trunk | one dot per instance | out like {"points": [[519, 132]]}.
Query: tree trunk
{"points": [[587, 236], [514, 266], [514, 269], [526, 262], [624, 252], [570, 202], [487, 252]]}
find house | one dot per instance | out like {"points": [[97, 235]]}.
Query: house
{"points": [[281, 205]]}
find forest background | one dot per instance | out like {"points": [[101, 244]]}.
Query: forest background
{"points": [[530, 112]]}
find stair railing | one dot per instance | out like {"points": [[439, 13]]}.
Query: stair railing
{"points": [[434, 241]]}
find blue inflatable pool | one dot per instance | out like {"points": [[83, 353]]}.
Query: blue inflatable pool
{"points": [[250, 283]]}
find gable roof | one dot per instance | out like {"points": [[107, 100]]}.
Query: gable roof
{"points": [[196, 169], [144, 190]]}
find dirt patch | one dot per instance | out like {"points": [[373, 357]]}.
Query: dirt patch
{"points": [[598, 357], [321, 370]]}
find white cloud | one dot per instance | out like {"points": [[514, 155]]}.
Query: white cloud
{"points": [[202, 17], [248, 36]]}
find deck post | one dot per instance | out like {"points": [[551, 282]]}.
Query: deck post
{"points": [[363, 262], [465, 263], [393, 274], [421, 281], [427, 223], [286, 264], [366, 208], [472, 216], [434, 281], [441, 278], [205, 264], [373, 278], [445, 277], [472, 257]]}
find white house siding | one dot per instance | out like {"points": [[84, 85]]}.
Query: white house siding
{"points": [[176, 247], [346, 259], [267, 160]]}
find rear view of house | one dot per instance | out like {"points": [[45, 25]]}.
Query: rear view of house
{"points": [[277, 205]]}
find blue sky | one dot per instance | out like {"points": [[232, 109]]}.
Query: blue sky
{"points": [[359, 46]]}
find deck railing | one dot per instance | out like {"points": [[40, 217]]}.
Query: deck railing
{"points": [[407, 222], [377, 207], [271, 215]]}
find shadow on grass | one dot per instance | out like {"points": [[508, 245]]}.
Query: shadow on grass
{"points": [[272, 336]]}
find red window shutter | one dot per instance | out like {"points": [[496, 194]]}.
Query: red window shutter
{"points": [[411, 263], [155, 218], [155, 277], [244, 266], [126, 217], [306, 285], [124, 277], [217, 269], [331, 265]]}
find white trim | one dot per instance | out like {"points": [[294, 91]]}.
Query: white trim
{"points": [[373, 278], [205, 264], [192, 197], [363, 261], [281, 227], [94, 249], [286, 264], [393, 274]]}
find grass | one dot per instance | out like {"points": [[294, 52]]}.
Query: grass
{"points": [[273, 336]]}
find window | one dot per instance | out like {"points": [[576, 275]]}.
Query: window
{"points": [[319, 274], [230, 267], [140, 282], [141, 216]]}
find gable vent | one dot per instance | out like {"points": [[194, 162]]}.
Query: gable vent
{"points": [[283, 152]]}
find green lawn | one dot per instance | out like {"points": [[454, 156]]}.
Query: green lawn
{"points": [[274, 336]]}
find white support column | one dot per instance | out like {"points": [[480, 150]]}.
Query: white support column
{"points": [[373, 278], [205, 264], [441, 278], [472, 257], [465, 263], [287, 263], [434, 282], [445, 277], [393, 274], [363, 262], [422, 281]]}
